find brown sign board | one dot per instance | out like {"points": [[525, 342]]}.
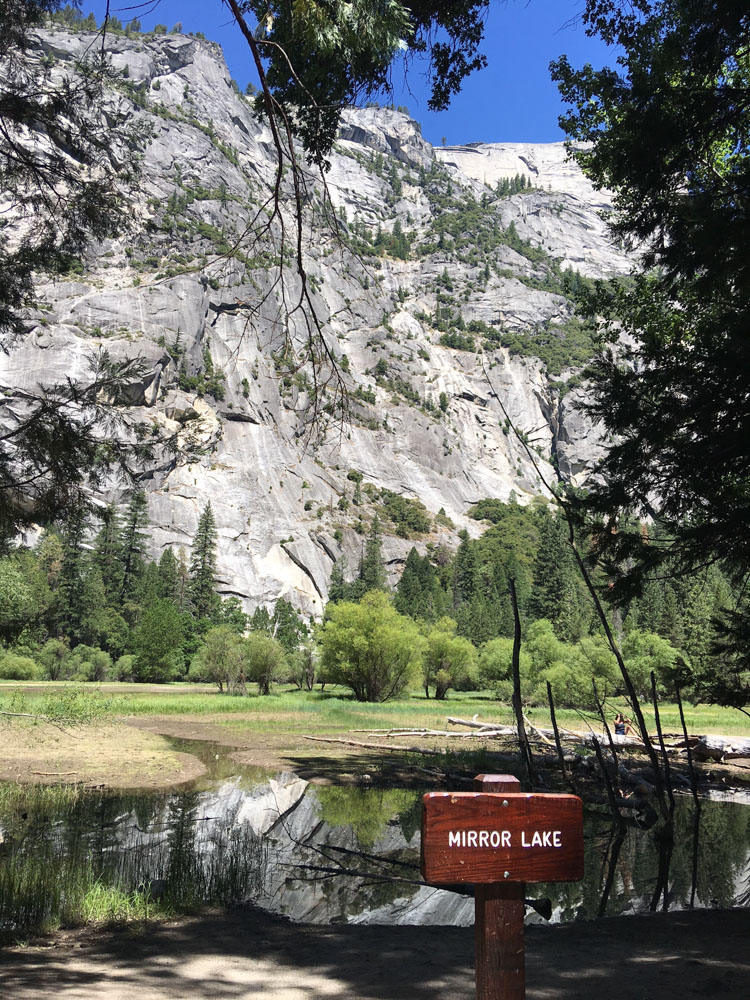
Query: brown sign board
{"points": [[489, 837]]}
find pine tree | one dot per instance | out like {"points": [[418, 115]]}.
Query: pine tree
{"points": [[203, 596], [372, 574], [108, 553], [554, 594], [408, 596], [71, 595], [169, 583], [338, 588], [133, 544], [183, 581], [465, 571], [261, 620]]}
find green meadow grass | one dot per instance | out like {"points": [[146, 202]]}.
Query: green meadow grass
{"points": [[290, 710]]}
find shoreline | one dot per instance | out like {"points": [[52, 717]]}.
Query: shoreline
{"points": [[242, 953]]}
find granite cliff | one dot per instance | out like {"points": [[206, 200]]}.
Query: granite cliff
{"points": [[449, 287]]}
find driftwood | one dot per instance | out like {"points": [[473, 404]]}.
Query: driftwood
{"points": [[371, 746], [716, 748], [719, 747]]}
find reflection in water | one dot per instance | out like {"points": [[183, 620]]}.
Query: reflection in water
{"points": [[247, 836]]}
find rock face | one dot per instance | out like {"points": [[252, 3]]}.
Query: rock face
{"points": [[432, 273]]}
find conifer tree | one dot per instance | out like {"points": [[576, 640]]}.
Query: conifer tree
{"points": [[338, 588], [554, 594], [71, 602], [133, 544], [169, 584], [183, 581], [465, 571], [203, 596], [372, 574], [260, 620], [108, 553]]}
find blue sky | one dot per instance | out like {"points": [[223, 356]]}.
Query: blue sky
{"points": [[512, 100]]}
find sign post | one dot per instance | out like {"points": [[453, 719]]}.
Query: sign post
{"points": [[499, 838]]}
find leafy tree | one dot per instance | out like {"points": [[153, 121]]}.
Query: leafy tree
{"points": [[496, 666], [448, 660], [15, 601], [53, 658], [644, 652], [670, 134], [287, 626], [203, 596], [370, 648], [87, 663], [264, 659], [14, 667], [304, 666], [220, 660]]}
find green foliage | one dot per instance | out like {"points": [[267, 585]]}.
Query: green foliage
{"points": [[457, 341], [265, 660], [571, 344], [370, 648], [203, 596], [286, 626], [18, 668], [340, 52], [419, 593], [87, 663], [448, 660], [669, 136], [15, 600], [408, 515], [512, 185], [158, 642], [367, 812], [220, 660]]}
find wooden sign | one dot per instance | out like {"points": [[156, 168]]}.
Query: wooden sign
{"points": [[501, 837]]}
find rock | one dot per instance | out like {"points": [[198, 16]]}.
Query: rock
{"points": [[243, 440]]}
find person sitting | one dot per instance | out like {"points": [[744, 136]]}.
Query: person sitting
{"points": [[623, 726]]}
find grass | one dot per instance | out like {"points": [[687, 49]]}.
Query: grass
{"points": [[290, 710]]}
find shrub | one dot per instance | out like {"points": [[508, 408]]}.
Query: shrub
{"points": [[19, 668]]}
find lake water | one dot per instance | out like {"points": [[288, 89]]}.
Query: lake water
{"points": [[275, 839]]}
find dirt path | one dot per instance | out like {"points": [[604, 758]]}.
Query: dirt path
{"points": [[243, 953]]}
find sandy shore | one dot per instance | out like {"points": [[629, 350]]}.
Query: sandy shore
{"points": [[243, 953]]}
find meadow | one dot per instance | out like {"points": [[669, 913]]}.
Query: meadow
{"points": [[287, 709]]}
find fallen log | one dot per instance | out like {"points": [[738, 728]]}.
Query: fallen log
{"points": [[372, 746], [719, 747]]}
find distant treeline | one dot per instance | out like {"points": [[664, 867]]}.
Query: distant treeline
{"points": [[86, 603]]}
